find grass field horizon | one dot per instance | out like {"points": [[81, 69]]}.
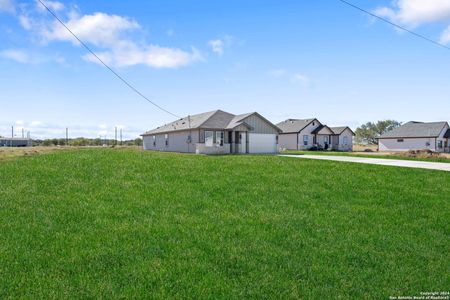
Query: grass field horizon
{"points": [[122, 223]]}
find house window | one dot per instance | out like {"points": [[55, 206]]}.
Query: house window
{"points": [[345, 140], [399, 140], [325, 139], [440, 144], [154, 141], [305, 140], [219, 138], [166, 138], [427, 144], [276, 139], [209, 138]]}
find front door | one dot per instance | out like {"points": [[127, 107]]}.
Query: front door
{"points": [[242, 142]]}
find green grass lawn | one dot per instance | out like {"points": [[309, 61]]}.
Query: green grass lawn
{"points": [[108, 223], [370, 155]]}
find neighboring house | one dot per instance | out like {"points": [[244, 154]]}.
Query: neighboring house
{"points": [[303, 134], [215, 132], [434, 136], [15, 142]]}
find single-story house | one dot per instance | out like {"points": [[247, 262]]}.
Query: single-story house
{"points": [[303, 134], [434, 136], [15, 142], [215, 132]]}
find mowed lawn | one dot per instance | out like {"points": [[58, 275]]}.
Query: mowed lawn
{"points": [[110, 223]]}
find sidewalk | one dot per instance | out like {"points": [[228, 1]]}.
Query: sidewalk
{"points": [[379, 161]]}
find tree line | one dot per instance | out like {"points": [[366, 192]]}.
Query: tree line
{"points": [[368, 132], [81, 141]]}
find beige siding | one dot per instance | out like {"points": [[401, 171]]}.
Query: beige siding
{"points": [[287, 141], [407, 144], [259, 125], [443, 139], [341, 146], [177, 142], [307, 131]]}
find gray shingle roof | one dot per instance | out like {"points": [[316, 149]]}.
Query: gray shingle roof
{"points": [[416, 129], [293, 125], [237, 120], [183, 124], [340, 129], [217, 119]]}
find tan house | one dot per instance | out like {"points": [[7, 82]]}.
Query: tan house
{"points": [[434, 136], [215, 132], [303, 134]]}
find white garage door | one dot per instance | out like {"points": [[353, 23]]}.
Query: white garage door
{"points": [[262, 143]]}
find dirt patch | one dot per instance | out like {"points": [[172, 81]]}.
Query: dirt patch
{"points": [[7, 152], [365, 148], [421, 154]]}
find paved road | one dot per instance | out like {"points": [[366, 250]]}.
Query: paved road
{"points": [[379, 161]]}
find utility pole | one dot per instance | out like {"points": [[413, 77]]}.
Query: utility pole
{"points": [[12, 132], [23, 133], [67, 136], [115, 136], [120, 136]]}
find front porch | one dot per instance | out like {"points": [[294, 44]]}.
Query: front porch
{"points": [[223, 142]]}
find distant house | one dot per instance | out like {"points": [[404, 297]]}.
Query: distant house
{"points": [[434, 136], [297, 134], [15, 142], [215, 132]]}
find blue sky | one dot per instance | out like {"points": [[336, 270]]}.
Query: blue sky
{"points": [[284, 59]]}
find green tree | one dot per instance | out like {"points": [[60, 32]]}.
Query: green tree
{"points": [[370, 131]]}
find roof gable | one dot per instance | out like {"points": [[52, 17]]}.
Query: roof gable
{"points": [[447, 134], [295, 125], [340, 129], [322, 129], [219, 120], [243, 117]]}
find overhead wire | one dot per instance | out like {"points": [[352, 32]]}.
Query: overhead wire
{"points": [[395, 25], [134, 89]]}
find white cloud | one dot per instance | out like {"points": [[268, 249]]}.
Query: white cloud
{"points": [[16, 55], [7, 6], [42, 130], [298, 77], [99, 29], [414, 13], [113, 37], [25, 22], [445, 37], [218, 45], [53, 5], [151, 55]]}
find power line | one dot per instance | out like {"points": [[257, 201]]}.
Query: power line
{"points": [[393, 24], [104, 64]]}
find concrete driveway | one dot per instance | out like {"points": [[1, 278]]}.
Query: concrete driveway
{"points": [[379, 161]]}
